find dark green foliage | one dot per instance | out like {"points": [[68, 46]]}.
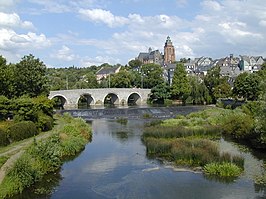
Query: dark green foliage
{"points": [[4, 108], [3, 138], [237, 124], [199, 93], [122, 79], [160, 93], [30, 78], [247, 86], [45, 122], [21, 130], [152, 75], [216, 84], [180, 88]]}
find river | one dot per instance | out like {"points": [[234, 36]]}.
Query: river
{"points": [[115, 165]]}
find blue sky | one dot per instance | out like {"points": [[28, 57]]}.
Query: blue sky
{"points": [[82, 33]]}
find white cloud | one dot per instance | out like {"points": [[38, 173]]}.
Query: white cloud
{"points": [[7, 4], [212, 5], [65, 54], [13, 45], [13, 20], [98, 60], [103, 16]]}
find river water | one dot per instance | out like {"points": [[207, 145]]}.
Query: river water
{"points": [[115, 165]]}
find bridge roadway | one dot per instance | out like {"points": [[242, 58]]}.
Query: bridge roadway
{"points": [[117, 96]]}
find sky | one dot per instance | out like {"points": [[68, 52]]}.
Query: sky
{"points": [[82, 33]]}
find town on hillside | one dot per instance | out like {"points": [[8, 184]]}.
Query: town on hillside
{"points": [[231, 66]]}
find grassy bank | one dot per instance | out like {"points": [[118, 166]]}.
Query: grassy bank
{"points": [[192, 140], [42, 157]]}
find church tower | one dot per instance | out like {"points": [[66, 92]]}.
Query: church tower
{"points": [[169, 51]]}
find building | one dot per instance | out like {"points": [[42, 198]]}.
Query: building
{"points": [[251, 64], [150, 57], [169, 51], [104, 72]]}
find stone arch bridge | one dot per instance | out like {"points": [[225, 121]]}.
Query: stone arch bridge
{"points": [[116, 96]]}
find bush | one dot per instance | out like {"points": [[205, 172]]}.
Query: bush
{"points": [[21, 130], [237, 124], [3, 138], [45, 122]]}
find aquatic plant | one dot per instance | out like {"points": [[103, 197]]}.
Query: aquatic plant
{"points": [[224, 169], [122, 120]]}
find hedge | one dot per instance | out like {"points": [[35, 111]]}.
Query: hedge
{"points": [[22, 130]]}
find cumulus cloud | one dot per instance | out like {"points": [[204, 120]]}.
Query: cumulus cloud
{"points": [[103, 16], [7, 4], [98, 60], [65, 53], [10, 40], [13, 20]]}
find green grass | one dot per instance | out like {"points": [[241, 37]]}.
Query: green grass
{"points": [[3, 160], [190, 141], [47, 155], [224, 169]]}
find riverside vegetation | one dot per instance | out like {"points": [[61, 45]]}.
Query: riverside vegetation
{"points": [[192, 140], [46, 156]]}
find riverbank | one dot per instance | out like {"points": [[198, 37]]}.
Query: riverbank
{"points": [[41, 157]]}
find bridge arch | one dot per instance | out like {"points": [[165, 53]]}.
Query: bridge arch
{"points": [[134, 99], [111, 98], [60, 101], [85, 100]]}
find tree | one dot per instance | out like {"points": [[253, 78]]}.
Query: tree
{"points": [[180, 88], [160, 93], [6, 78], [122, 79], [91, 80], [247, 86], [134, 63], [223, 90], [30, 78], [199, 93], [215, 82], [152, 75]]}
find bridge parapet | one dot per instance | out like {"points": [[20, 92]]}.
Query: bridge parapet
{"points": [[119, 96]]}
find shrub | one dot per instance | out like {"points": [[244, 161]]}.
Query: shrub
{"points": [[45, 122], [21, 130], [237, 124], [3, 138]]}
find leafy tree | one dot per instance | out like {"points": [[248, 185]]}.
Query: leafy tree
{"points": [[180, 85], [263, 66], [222, 90], [199, 93], [247, 86], [91, 80], [134, 63], [6, 78], [152, 75], [30, 78], [215, 82], [160, 93], [122, 79]]}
